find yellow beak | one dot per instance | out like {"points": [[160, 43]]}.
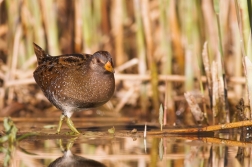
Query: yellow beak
{"points": [[108, 67]]}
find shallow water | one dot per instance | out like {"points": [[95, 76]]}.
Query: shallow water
{"points": [[124, 148]]}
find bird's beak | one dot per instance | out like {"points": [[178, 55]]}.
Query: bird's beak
{"points": [[108, 66]]}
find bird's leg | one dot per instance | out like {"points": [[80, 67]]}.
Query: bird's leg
{"points": [[71, 125], [62, 117]]}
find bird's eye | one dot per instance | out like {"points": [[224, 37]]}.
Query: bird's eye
{"points": [[98, 61]]}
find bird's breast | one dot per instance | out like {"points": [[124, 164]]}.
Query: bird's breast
{"points": [[83, 90]]}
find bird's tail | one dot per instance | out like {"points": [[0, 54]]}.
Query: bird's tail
{"points": [[40, 53]]}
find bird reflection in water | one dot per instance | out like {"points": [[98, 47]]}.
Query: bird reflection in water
{"points": [[71, 160]]}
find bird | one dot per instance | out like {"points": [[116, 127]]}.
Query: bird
{"points": [[75, 82]]}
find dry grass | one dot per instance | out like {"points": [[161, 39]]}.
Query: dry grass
{"points": [[156, 45]]}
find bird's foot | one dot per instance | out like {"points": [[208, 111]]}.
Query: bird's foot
{"points": [[71, 126]]}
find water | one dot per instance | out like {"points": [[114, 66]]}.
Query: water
{"points": [[124, 148]]}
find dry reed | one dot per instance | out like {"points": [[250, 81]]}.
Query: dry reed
{"points": [[164, 40]]}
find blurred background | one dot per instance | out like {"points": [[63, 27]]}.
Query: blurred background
{"points": [[156, 47]]}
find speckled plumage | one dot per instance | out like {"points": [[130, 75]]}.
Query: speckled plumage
{"points": [[75, 82]]}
